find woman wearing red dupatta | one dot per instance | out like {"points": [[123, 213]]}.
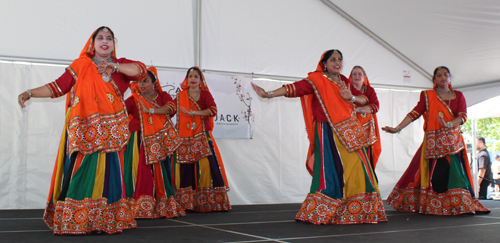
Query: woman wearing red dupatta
{"points": [[147, 161], [87, 191], [344, 188], [438, 180], [367, 114], [200, 178]]}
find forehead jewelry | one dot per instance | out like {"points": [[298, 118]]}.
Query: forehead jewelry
{"points": [[105, 30]]}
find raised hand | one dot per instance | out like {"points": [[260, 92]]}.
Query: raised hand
{"points": [[390, 129], [442, 122], [345, 92], [105, 67], [260, 91], [186, 112], [143, 107]]}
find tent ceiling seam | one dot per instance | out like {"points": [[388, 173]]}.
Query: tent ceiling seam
{"points": [[478, 86], [253, 75], [197, 34], [377, 38]]}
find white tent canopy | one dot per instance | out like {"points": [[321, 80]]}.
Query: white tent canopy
{"points": [[399, 43], [486, 109]]}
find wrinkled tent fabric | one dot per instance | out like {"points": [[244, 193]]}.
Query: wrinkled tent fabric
{"points": [[279, 38]]}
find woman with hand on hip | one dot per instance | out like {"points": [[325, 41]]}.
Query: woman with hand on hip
{"points": [[344, 189], [87, 192], [438, 180]]}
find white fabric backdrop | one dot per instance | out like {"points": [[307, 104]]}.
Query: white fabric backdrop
{"points": [[266, 169]]}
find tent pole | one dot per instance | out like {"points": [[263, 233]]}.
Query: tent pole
{"points": [[197, 34], [473, 159], [377, 39]]}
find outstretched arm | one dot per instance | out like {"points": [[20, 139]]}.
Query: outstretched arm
{"points": [[399, 127], [268, 94], [40, 92]]}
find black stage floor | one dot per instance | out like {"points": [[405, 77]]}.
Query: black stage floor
{"points": [[269, 223]]}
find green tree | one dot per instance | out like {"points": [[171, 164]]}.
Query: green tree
{"points": [[489, 128]]}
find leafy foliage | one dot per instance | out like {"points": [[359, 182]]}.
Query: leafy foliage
{"points": [[489, 128]]}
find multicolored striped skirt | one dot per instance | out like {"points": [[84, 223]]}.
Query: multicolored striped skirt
{"points": [[202, 185], [87, 194], [344, 188], [148, 188], [437, 186]]}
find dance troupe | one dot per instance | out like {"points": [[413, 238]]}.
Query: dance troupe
{"points": [[121, 160]]}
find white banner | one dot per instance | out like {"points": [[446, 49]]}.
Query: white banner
{"points": [[233, 96]]}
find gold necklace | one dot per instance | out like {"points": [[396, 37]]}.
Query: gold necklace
{"points": [[449, 95]]}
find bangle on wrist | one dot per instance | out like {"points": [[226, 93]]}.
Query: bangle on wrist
{"points": [[270, 94], [29, 93], [449, 124], [115, 67], [192, 113], [353, 99], [399, 129], [151, 111]]}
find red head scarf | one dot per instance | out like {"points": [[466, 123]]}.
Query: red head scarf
{"points": [[203, 85], [157, 86], [88, 49]]}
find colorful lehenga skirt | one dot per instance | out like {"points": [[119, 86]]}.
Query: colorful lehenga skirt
{"points": [[436, 186], [344, 188], [87, 194], [201, 186], [148, 188]]}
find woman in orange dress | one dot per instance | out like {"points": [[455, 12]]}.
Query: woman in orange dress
{"points": [[147, 157], [438, 180], [367, 114], [200, 179], [344, 189], [87, 191]]}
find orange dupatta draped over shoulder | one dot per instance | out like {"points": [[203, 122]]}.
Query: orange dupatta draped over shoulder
{"points": [[160, 139], [440, 141], [194, 141], [338, 111], [97, 118], [370, 126]]}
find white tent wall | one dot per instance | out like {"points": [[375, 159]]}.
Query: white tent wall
{"points": [[29, 136], [269, 168]]}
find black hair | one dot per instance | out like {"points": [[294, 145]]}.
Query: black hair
{"points": [[197, 70], [152, 76], [101, 28], [329, 53], [439, 68], [479, 138]]}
